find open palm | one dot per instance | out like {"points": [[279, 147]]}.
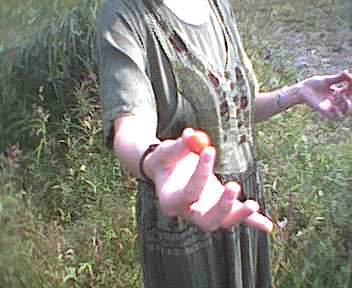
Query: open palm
{"points": [[187, 187], [329, 94]]}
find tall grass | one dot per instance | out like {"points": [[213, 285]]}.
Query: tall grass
{"points": [[63, 200], [67, 216], [47, 70]]}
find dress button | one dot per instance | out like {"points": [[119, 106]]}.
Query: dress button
{"points": [[244, 102], [227, 74], [241, 139], [235, 99], [239, 74], [224, 108]]}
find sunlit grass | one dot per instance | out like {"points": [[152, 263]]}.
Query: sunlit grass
{"points": [[67, 216]]}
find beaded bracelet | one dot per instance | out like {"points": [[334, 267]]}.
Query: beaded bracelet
{"points": [[149, 150]]}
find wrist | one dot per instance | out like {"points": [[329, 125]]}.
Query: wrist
{"points": [[145, 167], [289, 96], [298, 92]]}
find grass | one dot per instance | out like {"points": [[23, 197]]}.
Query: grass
{"points": [[306, 163], [67, 214]]}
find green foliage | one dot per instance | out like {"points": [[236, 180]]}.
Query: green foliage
{"points": [[309, 183], [70, 206], [46, 71], [67, 215], [306, 162], [19, 19]]}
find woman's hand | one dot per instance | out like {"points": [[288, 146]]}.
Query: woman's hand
{"points": [[329, 94], [186, 187]]}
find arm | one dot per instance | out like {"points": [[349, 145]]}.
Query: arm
{"points": [[184, 182], [130, 141], [269, 104], [328, 94]]}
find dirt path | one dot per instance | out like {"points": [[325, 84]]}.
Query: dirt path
{"points": [[321, 44], [313, 36]]}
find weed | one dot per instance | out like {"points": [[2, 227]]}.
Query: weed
{"points": [[67, 216]]}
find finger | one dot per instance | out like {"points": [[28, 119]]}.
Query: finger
{"points": [[328, 109], [240, 212], [349, 103], [212, 219], [174, 150], [347, 91], [261, 222], [187, 133], [199, 178], [337, 78], [341, 101], [344, 106]]}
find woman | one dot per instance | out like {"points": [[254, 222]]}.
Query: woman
{"points": [[172, 64]]}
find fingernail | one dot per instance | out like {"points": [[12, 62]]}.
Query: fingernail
{"points": [[188, 132], [260, 221], [268, 225], [208, 154], [252, 205], [234, 186]]}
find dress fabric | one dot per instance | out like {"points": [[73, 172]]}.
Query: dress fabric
{"points": [[150, 59]]}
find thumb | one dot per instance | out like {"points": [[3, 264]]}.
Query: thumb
{"points": [[172, 151]]}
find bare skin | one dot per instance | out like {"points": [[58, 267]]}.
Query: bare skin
{"points": [[319, 92], [201, 6]]}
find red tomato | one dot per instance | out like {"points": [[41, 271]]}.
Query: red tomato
{"points": [[198, 141]]}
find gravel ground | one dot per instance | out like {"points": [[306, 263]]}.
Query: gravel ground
{"points": [[311, 35]]}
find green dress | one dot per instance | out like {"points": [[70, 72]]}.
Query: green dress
{"points": [[189, 75]]}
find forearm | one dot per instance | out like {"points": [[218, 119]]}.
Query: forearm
{"points": [[269, 104], [132, 138]]}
